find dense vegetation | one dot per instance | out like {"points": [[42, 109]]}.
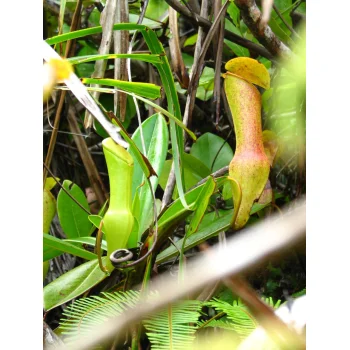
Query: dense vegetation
{"points": [[193, 131]]}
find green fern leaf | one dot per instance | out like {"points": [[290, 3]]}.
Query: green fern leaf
{"points": [[86, 313], [242, 322], [174, 327]]}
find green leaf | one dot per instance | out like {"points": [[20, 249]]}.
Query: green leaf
{"points": [[73, 219], [155, 133], [85, 69], [54, 246], [278, 29], [61, 14], [148, 90], [91, 31], [206, 84], [201, 206], [194, 171], [234, 13], [204, 233], [191, 40], [135, 56], [212, 151], [196, 166], [156, 9], [73, 283], [89, 241], [238, 50], [284, 7], [96, 220]]}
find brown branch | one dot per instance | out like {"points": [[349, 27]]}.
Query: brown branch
{"points": [[195, 75], [89, 164], [199, 21], [251, 15], [177, 61], [196, 67]]}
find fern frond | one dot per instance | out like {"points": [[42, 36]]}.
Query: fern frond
{"points": [[86, 313], [174, 327], [242, 322], [269, 301], [223, 324]]}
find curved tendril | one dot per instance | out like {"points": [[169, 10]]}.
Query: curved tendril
{"points": [[98, 249]]}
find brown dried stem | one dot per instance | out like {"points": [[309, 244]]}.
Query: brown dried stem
{"points": [[206, 24], [252, 16], [89, 164], [177, 62]]}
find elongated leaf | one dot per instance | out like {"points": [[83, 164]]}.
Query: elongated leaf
{"points": [[54, 246], [201, 204], [203, 234], [61, 14], [176, 212], [143, 89], [210, 227], [176, 135], [201, 207], [87, 240], [73, 219], [155, 133], [91, 31], [73, 283], [135, 56], [238, 50], [167, 114]]}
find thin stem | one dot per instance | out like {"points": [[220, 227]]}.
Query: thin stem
{"points": [[61, 186]]}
